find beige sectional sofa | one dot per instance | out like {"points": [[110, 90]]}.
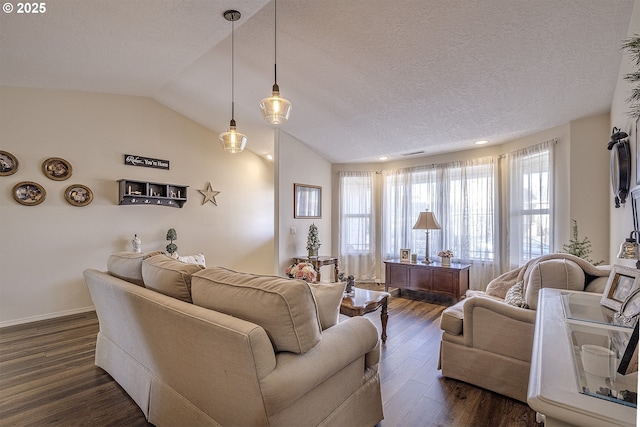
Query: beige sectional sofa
{"points": [[249, 350], [487, 337]]}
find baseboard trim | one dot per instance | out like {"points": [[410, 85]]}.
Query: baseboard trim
{"points": [[46, 316]]}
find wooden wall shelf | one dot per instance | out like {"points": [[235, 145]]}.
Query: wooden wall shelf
{"points": [[133, 192]]}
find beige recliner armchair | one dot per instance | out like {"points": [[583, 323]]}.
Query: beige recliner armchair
{"points": [[487, 337]]}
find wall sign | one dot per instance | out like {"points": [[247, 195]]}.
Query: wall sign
{"points": [[146, 162]]}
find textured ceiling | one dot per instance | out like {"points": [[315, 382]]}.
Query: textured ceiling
{"points": [[366, 78]]}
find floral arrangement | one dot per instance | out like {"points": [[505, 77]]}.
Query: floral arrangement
{"points": [[445, 254], [303, 270]]}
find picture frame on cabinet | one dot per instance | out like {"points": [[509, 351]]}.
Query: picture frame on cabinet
{"points": [[622, 282], [405, 255]]}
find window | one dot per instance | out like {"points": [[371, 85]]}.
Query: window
{"points": [[530, 203], [357, 237]]}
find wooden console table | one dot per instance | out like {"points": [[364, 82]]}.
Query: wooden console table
{"points": [[451, 281], [318, 262]]}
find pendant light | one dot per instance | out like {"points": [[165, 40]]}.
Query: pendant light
{"points": [[275, 109], [232, 141]]}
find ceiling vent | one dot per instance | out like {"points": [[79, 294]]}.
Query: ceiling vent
{"points": [[415, 153]]}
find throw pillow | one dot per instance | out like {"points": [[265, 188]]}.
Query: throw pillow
{"points": [[284, 308], [128, 265], [193, 259], [328, 297], [515, 296], [168, 276]]}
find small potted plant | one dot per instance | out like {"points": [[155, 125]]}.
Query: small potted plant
{"points": [[313, 242], [446, 257], [171, 236]]}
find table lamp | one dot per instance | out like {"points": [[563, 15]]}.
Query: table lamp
{"points": [[426, 221], [629, 248]]}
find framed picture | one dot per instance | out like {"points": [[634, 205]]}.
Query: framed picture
{"points": [[78, 195], [307, 201], [29, 193], [622, 282], [56, 168], [637, 152], [8, 163], [635, 206], [405, 255]]}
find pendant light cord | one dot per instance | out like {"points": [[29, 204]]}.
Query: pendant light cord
{"points": [[275, 42], [232, 72]]}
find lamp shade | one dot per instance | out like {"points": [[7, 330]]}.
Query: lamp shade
{"points": [[629, 248], [233, 141], [275, 110], [426, 221]]}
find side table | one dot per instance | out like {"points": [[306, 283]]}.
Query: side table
{"points": [[364, 301], [318, 262]]}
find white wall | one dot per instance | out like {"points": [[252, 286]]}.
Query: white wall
{"points": [[621, 219], [46, 247], [297, 163]]}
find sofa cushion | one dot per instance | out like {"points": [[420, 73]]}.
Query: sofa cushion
{"points": [[168, 276], [328, 297], [515, 296], [452, 317], [128, 265], [553, 273], [284, 308]]}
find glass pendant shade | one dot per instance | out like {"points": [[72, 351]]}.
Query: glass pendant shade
{"points": [[628, 249], [275, 110], [232, 141]]}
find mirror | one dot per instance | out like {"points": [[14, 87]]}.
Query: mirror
{"points": [[307, 201]]}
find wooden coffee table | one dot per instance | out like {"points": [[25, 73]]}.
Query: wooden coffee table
{"points": [[364, 301]]}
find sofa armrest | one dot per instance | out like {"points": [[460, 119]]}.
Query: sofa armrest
{"points": [[341, 345], [498, 327]]}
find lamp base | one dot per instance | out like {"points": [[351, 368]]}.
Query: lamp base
{"points": [[426, 261]]}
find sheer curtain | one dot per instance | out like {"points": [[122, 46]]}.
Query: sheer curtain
{"points": [[530, 189], [357, 225], [463, 197]]}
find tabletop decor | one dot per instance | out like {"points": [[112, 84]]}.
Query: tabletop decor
{"points": [[446, 257], [29, 193], [621, 284], [78, 195], [56, 168], [171, 236], [8, 163], [302, 270], [313, 242]]}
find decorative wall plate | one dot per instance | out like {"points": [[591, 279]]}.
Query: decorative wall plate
{"points": [[78, 195], [56, 168], [8, 163], [29, 193]]}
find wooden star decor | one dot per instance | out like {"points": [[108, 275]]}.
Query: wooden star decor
{"points": [[209, 195]]}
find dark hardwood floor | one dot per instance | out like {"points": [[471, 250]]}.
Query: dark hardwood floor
{"points": [[47, 377]]}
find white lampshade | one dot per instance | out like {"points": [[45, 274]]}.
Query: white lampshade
{"points": [[233, 141], [426, 221], [275, 109]]}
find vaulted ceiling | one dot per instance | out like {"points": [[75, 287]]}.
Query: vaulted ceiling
{"points": [[367, 78]]}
